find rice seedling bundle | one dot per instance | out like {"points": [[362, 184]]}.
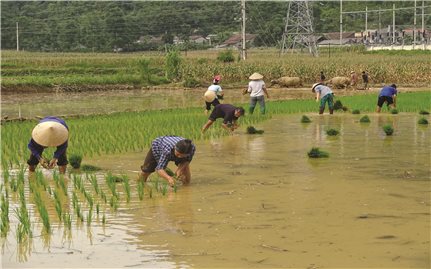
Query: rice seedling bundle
{"points": [[317, 153], [423, 121], [388, 129], [364, 119], [332, 132]]}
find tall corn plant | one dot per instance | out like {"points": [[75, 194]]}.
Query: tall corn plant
{"points": [[173, 65]]}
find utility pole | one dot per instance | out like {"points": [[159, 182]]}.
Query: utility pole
{"points": [[366, 19], [423, 24], [414, 28], [17, 37], [341, 21], [393, 24], [243, 51]]}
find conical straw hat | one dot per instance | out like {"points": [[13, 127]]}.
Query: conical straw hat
{"points": [[50, 134], [209, 96], [256, 76]]}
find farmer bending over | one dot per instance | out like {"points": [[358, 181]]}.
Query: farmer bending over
{"points": [[388, 94], [213, 94], [169, 148], [230, 115], [324, 95], [50, 132]]}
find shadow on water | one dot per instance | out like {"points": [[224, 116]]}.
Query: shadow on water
{"points": [[259, 201]]}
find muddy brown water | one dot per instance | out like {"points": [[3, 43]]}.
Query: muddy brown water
{"points": [[257, 201]]}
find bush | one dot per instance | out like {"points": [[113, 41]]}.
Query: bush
{"points": [[226, 56], [252, 130], [388, 129], [338, 105], [365, 119], [305, 119], [191, 82], [356, 111], [317, 153], [422, 121], [173, 64], [75, 160], [89, 168], [332, 132]]}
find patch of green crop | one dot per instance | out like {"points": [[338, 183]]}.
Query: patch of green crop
{"points": [[317, 153]]}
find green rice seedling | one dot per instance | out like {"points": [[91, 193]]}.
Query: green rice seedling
{"points": [[89, 217], [58, 205], [164, 188], [338, 105], [394, 111], [75, 160], [175, 187], [62, 182], [43, 212], [89, 198], [356, 111], [113, 202], [252, 130], [103, 219], [5, 174], [67, 220], [388, 129], [97, 209], [317, 153], [103, 196], [89, 168], [364, 119], [126, 187], [74, 199], [305, 119], [423, 121], [156, 184], [110, 181], [424, 112], [13, 184], [332, 132], [4, 225], [94, 183], [141, 189], [150, 192]]}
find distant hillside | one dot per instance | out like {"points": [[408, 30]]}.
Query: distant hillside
{"points": [[103, 26]]}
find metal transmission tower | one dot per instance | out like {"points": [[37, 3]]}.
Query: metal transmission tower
{"points": [[298, 31]]}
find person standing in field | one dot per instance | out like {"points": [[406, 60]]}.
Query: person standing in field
{"points": [[228, 113], [324, 95], [213, 94], [322, 77], [165, 149], [50, 132], [257, 90], [365, 79], [388, 94]]}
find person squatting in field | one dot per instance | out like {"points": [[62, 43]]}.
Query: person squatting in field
{"points": [[165, 149], [388, 94], [49, 132], [257, 90], [228, 113], [325, 95], [213, 94]]}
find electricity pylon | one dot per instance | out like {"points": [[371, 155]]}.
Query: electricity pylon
{"points": [[298, 31]]}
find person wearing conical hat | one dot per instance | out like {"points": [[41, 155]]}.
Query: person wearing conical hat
{"points": [[257, 90], [324, 95], [213, 94], [50, 132]]}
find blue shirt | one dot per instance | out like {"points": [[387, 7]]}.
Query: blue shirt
{"points": [[388, 91], [163, 149], [37, 149]]}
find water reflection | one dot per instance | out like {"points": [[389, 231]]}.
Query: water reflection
{"points": [[259, 201]]}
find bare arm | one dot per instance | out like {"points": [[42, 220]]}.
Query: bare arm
{"points": [[266, 92], [207, 125], [163, 174]]}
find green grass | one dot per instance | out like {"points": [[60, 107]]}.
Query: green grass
{"points": [[122, 134]]}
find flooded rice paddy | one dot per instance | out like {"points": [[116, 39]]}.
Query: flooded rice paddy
{"points": [[258, 201]]}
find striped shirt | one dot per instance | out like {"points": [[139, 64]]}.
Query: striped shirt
{"points": [[163, 149]]}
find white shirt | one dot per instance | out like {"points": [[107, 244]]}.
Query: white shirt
{"points": [[255, 87], [215, 88], [323, 90]]}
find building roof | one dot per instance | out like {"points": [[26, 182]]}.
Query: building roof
{"points": [[234, 39], [336, 35]]}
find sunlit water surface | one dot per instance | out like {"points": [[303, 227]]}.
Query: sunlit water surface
{"points": [[259, 201]]}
